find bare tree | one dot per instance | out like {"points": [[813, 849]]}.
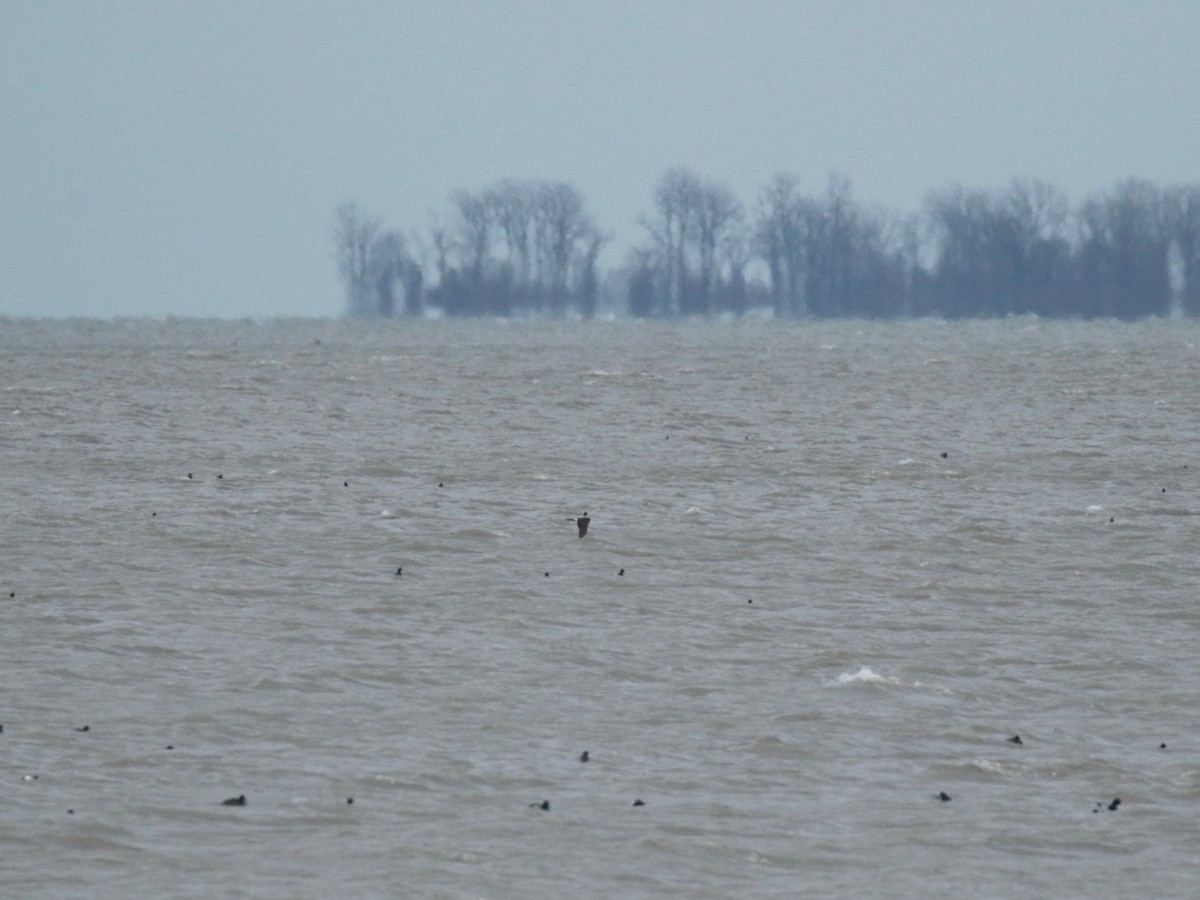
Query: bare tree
{"points": [[734, 253], [779, 232], [691, 218], [958, 220], [1123, 256], [717, 214], [673, 227], [512, 206], [393, 269], [354, 237], [830, 235], [475, 231], [1035, 216], [563, 225], [1183, 228], [589, 279]]}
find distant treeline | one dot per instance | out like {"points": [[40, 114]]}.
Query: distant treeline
{"points": [[524, 248]]}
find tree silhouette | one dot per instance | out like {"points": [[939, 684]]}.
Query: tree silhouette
{"points": [[530, 248]]}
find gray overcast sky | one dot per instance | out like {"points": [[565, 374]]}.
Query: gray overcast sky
{"points": [[180, 158]]}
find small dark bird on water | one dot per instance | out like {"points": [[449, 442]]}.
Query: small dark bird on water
{"points": [[239, 800], [584, 757], [1015, 739], [622, 572], [583, 522], [944, 797], [1116, 802], [84, 728], [400, 570], [544, 805], [639, 802]]}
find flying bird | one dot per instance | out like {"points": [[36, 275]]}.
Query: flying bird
{"points": [[583, 522]]}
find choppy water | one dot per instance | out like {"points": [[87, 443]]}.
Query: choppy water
{"points": [[858, 558]]}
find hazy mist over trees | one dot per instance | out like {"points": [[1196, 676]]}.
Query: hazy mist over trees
{"points": [[530, 248]]}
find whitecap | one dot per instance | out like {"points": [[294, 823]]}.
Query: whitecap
{"points": [[865, 674]]}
